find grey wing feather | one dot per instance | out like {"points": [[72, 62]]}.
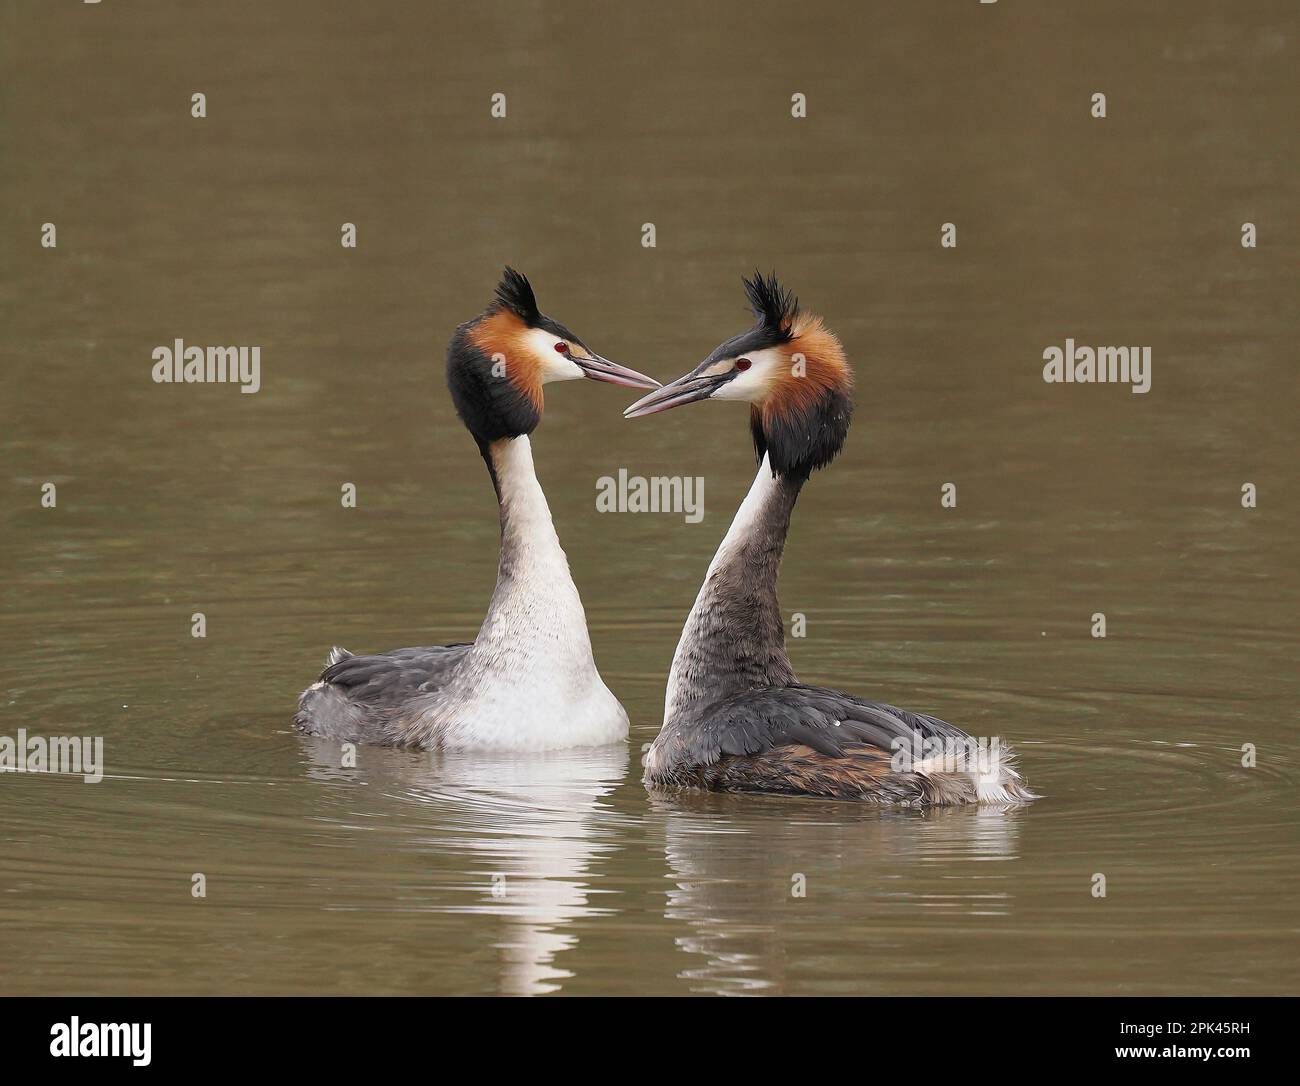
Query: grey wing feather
{"points": [[825, 720], [367, 697]]}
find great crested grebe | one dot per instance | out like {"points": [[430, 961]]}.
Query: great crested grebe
{"points": [[735, 717], [528, 681]]}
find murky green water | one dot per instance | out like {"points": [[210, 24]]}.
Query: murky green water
{"points": [[424, 874]]}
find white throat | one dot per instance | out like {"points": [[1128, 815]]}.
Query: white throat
{"points": [[703, 636], [525, 517], [748, 516], [535, 609], [530, 681]]}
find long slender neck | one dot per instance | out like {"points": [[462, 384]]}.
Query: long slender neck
{"points": [[535, 609], [734, 637], [526, 525]]}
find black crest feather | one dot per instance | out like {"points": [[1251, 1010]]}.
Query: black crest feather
{"points": [[515, 293], [772, 304]]}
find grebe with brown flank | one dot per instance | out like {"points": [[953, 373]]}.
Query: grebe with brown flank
{"points": [[736, 719]]}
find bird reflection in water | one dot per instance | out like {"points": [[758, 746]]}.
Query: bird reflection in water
{"points": [[527, 832], [735, 866]]}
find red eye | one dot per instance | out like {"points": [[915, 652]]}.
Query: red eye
{"points": [[562, 347], [742, 364]]}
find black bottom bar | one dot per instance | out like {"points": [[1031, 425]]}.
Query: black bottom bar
{"points": [[983, 1037]]}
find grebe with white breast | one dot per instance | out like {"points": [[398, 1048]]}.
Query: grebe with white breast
{"points": [[528, 681]]}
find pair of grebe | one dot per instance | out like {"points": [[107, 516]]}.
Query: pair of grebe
{"points": [[735, 717]]}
